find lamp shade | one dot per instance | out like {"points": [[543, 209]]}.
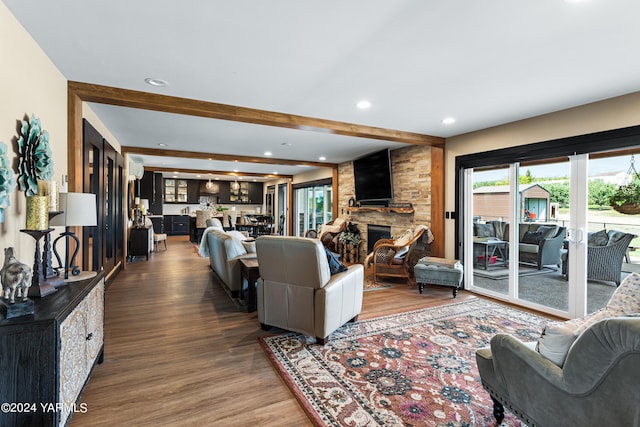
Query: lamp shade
{"points": [[78, 209]]}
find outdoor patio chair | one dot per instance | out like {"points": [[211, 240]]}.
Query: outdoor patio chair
{"points": [[604, 262]]}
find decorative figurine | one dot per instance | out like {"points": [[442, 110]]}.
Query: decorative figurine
{"points": [[15, 277]]}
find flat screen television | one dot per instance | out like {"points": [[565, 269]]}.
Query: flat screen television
{"points": [[372, 174]]}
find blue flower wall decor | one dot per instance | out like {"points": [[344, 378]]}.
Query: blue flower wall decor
{"points": [[7, 180], [34, 152]]}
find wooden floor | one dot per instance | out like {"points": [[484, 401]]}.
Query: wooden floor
{"points": [[178, 352]]}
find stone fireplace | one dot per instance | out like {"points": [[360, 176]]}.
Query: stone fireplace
{"points": [[376, 232], [411, 170]]}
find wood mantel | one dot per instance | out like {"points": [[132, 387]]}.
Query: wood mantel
{"points": [[381, 209]]}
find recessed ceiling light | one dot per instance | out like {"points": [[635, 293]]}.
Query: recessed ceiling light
{"points": [[162, 144], [363, 105], [322, 158], [198, 176], [286, 144], [175, 176], [235, 170], [275, 172], [268, 153], [448, 120], [156, 82]]}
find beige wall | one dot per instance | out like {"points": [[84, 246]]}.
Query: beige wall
{"points": [[30, 84], [313, 175], [91, 117], [609, 114]]}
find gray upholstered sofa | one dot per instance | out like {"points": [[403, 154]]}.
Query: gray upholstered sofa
{"points": [[538, 243], [597, 386], [297, 292], [582, 372], [225, 249]]}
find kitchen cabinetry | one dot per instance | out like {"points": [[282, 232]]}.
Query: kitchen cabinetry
{"points": [[247, 193], [175, 190], [181, 190], [46, 358], [151, 189], [255, 193], [176, 225]]}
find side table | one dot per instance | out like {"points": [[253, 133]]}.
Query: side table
{"points": [[249, 270], [139, 242]]}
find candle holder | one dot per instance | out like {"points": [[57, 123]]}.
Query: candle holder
{"points": [[40, 287]]}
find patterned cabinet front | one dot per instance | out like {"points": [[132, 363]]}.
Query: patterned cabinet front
{"points": [[81, 338], [95, 323]]}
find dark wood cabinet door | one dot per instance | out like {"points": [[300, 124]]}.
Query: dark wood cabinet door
{"points": [[224, 192], [255, 192], [193, 191]]}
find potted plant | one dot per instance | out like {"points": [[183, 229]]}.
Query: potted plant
{"points": [[348, 238], [626, 199], [350, 242]]}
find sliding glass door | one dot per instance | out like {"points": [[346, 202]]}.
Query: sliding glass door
{"points": [[543, 234], [518, 239], [313, 207]]}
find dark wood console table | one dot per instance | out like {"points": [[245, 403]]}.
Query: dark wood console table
{"points": [[46, 357], [249, 270]]}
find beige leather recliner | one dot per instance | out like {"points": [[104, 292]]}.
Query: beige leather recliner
{"points": [[297, 292]]}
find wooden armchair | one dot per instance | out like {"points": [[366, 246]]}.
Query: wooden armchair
{"points": [[329, 232], [390, 258]]}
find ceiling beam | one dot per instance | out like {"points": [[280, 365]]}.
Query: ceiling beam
{"points": [[213, 172], [221, 157], [171, 104]]}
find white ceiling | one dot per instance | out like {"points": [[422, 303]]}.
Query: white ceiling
{"points": [[483, 62]]}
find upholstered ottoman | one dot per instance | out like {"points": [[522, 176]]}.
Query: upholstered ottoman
{"points": [[438, 271]]}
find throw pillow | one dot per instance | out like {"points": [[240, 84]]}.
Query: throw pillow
{"points": [[599, 238], [546, 231], [532, 237], [249, 245], [556, 340], [624, 301], [614, 236], [335, 266], [483, 230]]}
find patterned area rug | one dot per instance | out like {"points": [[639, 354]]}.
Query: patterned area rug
{"points": [[381, 283], [410, 369]]}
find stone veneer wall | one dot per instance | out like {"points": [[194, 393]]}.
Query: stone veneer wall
{"points": [[411, 171]]}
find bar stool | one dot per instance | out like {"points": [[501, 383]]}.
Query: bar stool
{"points": [[159, 237]]}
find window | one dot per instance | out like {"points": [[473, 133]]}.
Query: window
{"points": [[313, 206]]}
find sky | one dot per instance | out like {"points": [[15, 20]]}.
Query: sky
{"points": [[558, 170]]}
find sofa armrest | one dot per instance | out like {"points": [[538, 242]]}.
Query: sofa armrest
{"points": [[339, 300], [514, 359]]}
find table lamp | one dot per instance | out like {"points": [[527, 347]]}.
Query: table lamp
{"points": [[78, 210]]}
